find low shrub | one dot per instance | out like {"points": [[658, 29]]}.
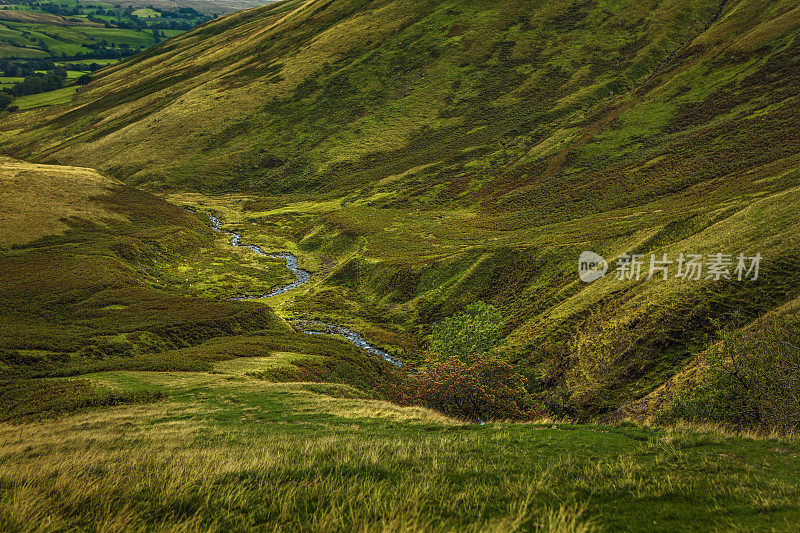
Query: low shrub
{"points": [[483, 388], [26, 399], [752, 380]]}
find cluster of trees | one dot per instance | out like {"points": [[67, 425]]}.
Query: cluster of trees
{"points": [[181, 19], [84, 67], [172, 25], [39, 83], [66, 10], [57, 9], [180, 13], [100, 51], [21, 69], [34, 82], [135, 23]]}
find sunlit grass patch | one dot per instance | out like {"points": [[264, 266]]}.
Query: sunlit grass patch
{"points": [[36, 199], [58, 96], [318, 400], [222, 454], [224, 272]]}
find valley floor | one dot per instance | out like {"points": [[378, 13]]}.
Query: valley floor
{"points": [[224, 451]]}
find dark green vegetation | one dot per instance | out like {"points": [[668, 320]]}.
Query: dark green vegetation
{"points": [[424, 155], [463, 378]]}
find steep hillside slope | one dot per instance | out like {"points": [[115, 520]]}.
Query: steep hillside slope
{"points": [[334, 95], [427, 154], [75, 289]]}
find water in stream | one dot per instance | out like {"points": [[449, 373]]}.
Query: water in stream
{"points": [[301, 277]]}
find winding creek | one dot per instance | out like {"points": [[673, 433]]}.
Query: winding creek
{"points": [[309, 327]]}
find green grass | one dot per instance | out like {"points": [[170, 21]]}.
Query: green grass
{"points": [[146, 13], [22, 52], [58, 96], [88, 62], [9, 81], [391, 272], [99, 276], [224, 452], [172, 33], [417, 157], [120, 36], [37, 399], [76, 286], [321, 135], [218, 273], [449, 152]]}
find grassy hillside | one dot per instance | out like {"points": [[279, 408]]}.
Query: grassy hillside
{"points": [[286, 93], [90, 281], [75, 267], [224, 451], [422, 155], [27, 214], [417, 157]]}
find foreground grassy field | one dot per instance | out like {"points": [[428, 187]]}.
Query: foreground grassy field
{"points": [[224, 451]]}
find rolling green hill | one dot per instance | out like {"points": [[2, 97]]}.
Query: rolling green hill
{"points": [[417, 157], [427, 154]]}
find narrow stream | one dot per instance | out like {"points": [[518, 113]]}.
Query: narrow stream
{"points": [[301, 277]]}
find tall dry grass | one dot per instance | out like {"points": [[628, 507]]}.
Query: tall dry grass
{"points": [[160, 467]]}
